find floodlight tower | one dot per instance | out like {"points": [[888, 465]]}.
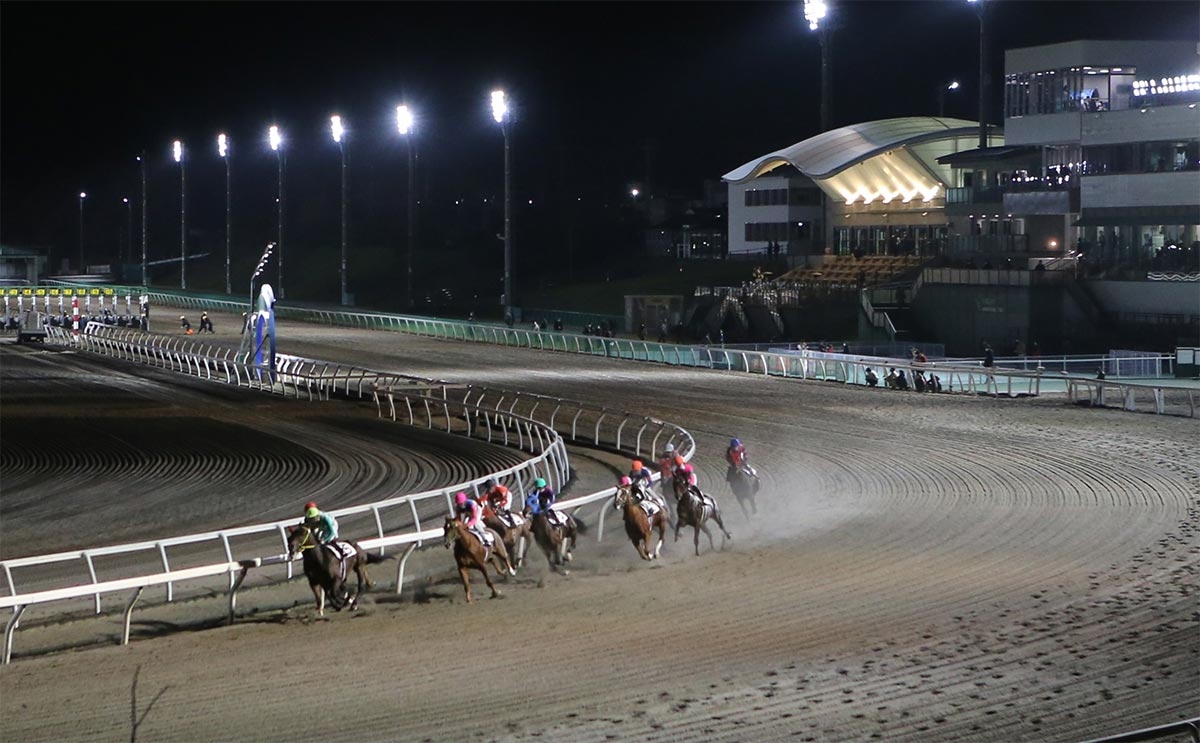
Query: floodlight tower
{"points": [[339, 136], [952, 85], [145, 267], [128, 252], [404, 125], [177, 151], [82, 196], [223, 151], [276, 140], [981, 11], [500, 112], [815, 11]]}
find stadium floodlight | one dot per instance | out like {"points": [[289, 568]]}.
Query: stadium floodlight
{"points": [[82, 196], [952, 85], [276, 139], [223, 152], [336, 128], [814, 12], [177, 150], [404, 125], [500, 113], [499, 106], [338, 132]]}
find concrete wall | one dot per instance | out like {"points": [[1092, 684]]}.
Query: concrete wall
{"points": [[1148, 297], [1140, 189]]}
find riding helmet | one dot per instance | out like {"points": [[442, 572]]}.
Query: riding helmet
{"points": [[539, 483], [312, 513], [637, 465], [734, 442], [460, 499], [310, 504], [491, 483], [670, 448], [626, 481]]}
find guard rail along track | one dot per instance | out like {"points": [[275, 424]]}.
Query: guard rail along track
{"points": [[843, 368], [536, 424]]}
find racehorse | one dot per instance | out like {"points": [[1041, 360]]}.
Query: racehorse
{"points": [[745, 483], [469, 553], [556, 542], [692, 509], [638, 525], [327, 571], [516, 538]]}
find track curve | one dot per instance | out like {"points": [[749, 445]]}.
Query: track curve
{"points": [[928, 568]]}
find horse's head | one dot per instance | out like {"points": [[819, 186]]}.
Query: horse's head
{"points": [[300, 538], [680, 486], [623, 496], [449, 532]]}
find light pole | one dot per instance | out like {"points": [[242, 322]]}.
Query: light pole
{"points": [[814, 12], [404, 125], [223, 151], [82, 196], [128, 230], [500, 113], [942, 97], [145, 268], [276, 140], [981, 11], [339, 136], [177, 150]]}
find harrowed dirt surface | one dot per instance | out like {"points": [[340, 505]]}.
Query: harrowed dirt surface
{"points": [[921, 568]]}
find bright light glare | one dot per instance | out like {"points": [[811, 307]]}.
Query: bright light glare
{"points": [[634, 193], [124, 201], [275, 137], [814, 11], [499, 106], [952, 86], [335, 126], [404, 119], [82, 195], [177, 149], [222, 145]]}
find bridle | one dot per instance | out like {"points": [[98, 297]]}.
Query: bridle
{"points": [[308, 542]]}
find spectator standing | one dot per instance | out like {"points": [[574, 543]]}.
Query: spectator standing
{"points": [[989, 356]]}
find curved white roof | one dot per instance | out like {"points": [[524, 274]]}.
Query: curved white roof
{"points": [[833, 151]]}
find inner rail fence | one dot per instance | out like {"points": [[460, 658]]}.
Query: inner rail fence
{"points": [[536, 424]]}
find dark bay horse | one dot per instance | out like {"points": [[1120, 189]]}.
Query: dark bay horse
{"points": [[694, 509], [638, 525], [556, 542], [323, 566], [516, 538], [469, 553], [744, 484]]}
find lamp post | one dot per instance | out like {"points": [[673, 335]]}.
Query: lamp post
{"points": [[145, 267], [404, 125], [500, 113], [815, 11], [276, 140], [953, 85], [223, 151], [82, 196], [177, 150], [339, 136], [981, 11], [128, 252]]}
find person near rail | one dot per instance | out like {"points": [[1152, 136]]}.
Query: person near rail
{"points": [[323, 525]]}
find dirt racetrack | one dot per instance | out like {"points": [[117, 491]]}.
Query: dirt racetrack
{"points": [[922, 568]]}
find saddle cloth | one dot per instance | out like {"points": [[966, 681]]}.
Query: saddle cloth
{"points": [[510, 519], [343, 551], [484, 536], [649, 506]]}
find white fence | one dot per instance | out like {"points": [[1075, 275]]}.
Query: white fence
{"points": [[533, 423]]}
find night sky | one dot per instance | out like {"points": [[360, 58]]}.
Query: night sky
{"points": [[606, 95]]}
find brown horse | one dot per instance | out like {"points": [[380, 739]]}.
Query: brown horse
{"points": [[693, 508], [469, 553], [638, 525], [327, 571], [516, 538], [556, 541]]}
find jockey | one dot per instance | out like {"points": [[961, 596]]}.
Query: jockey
{"points": [[665, 464], [500, 501], [324, 526], [645, 498], [736, 456], [544, 495], [470, 515], [641, 475]]}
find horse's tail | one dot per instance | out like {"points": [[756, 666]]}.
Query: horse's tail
{"points": [[374, 558], [580, 527]]}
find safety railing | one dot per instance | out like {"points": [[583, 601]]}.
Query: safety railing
{"points": [[531, 423], [1129, 395], [1190, 728]]}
